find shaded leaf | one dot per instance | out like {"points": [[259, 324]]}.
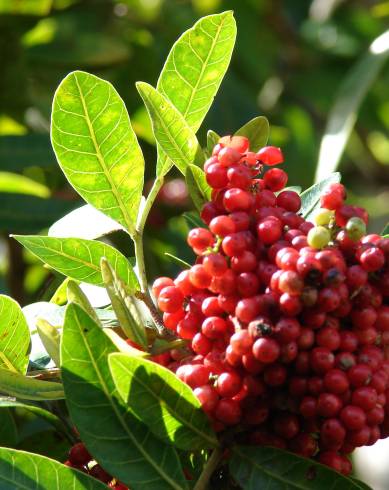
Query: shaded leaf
{"points": [[385, 231], [121, 304], [14, 336], [27, 388], [199, 190], [166, 405], [20, 469], [193, 220], [121, 444], [256, 467], [96, 146], [84, 222], [8, 428], [179, 261], [170, 129], [257, 131], [19, 152], [78, 258], [27, 7], [343, 113], [310, 198]]}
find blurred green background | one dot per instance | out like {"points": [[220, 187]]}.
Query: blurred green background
{"points": [[291, 59]]}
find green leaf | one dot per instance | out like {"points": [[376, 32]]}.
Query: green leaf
{"points": [[15, 384], [84, 222], [257, 131], [20, 184], [14, 336], [96, 146], [40, 412], [20, 213], [385, 231], [60, 295], [343, 113], [27, 7], [166, 405], [197, 185], [310, 197], [194, 70], [196, 66], [76, 295], [8, 429], [122, 445], [22, 470], [121, 304], [78, 258], [255, 467], [171, 131], [50, 338], [212, 140]]}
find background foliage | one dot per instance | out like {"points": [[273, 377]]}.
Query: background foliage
{"points": [[302, 64]]}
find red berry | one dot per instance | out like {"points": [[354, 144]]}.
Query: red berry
{"points": [[266, 350], [275, 179], [170, 299], [270, 155]]}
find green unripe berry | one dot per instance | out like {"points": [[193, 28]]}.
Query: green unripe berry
{"points": [[318, 237], [323, 217], [355, 228]]}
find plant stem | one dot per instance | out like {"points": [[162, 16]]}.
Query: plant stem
{"points": [[140, 262], [158, 183], [210, 467]]}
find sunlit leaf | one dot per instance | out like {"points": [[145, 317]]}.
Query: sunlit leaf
{"points": [[170, 129], [14, 336], [20, 184], [50, 338], [96, 146], [26, 7], [78, 258], [194, 70], [310, 198]]}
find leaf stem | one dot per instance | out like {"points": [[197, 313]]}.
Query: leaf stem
{"points": [[140, 262], [210, 467], [158, 183]]}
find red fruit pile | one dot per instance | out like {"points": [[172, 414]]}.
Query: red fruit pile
{"points": [[286, 322], [80, 459]]}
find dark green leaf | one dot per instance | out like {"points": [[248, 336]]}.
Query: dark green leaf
{"points": [[212, 140], [8, 428], [197, 185], [121, 304], [78, 258], [27, 388], [179, 261], [20, 213], [343, 114], [96, 146], [170, 129], [46, 443], [121, 444], [257, 131], [385, 231], [166, 405], [255, 467], [310, 197], [19, 152], [27, 471], [14, 336]]}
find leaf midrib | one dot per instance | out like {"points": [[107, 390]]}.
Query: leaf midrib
{"points": [[166, 128], [186, 423], [100, 157], [117, 413]]}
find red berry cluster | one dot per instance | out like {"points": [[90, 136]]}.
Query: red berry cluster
{"points": [[80, 459], [286, 321]]}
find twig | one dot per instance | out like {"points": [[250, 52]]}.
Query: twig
{"points": [[210, 467]]}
